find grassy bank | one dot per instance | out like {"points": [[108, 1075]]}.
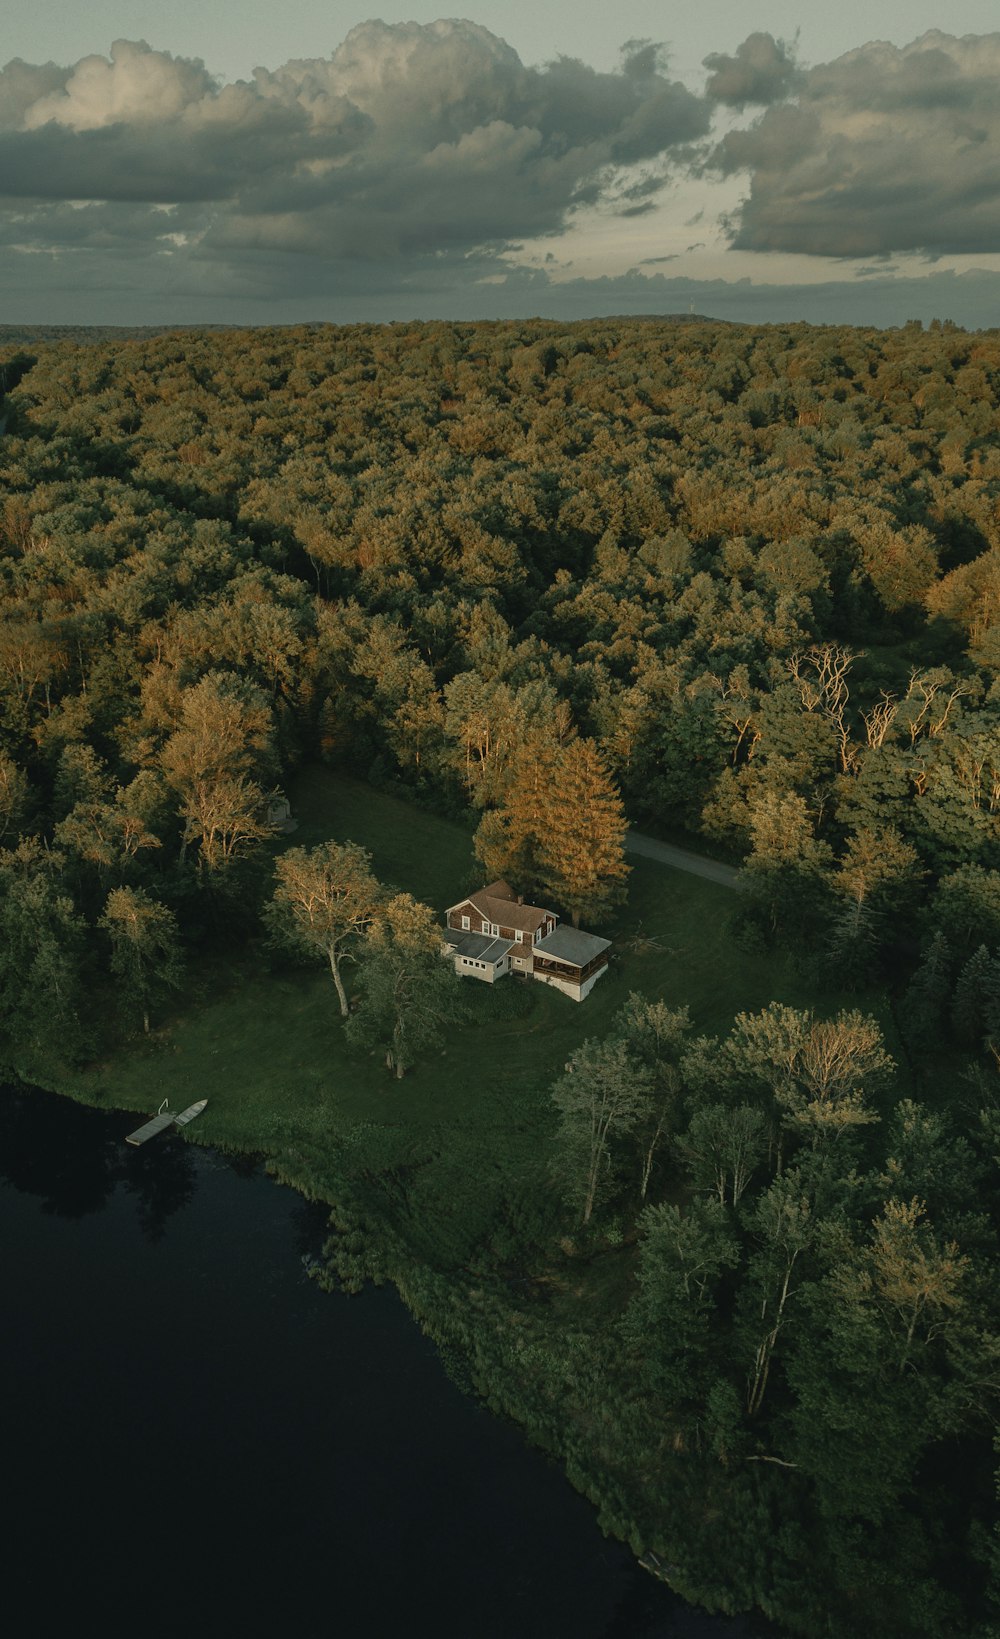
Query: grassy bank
{"points": [[265, 1045], [440, 1182]]}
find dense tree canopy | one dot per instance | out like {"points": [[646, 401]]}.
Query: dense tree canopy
{"points": [[739, 583]]}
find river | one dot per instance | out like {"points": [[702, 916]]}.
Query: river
{"points": [[200, 1441]]}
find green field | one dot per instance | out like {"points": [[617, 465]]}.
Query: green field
{"points": [[266, 1045]]}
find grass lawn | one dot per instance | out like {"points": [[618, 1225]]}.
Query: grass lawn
{"points": [[267, 1050]]}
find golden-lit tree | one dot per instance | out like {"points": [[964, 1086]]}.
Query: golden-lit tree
{"points": [[560, 828], [324, 902]]}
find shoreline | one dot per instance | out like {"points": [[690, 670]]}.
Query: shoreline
{"points": [[293, 1173]]}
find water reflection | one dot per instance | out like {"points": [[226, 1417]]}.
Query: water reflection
{"points": [[206, 1441], [161, 1183], [73, 1162]]}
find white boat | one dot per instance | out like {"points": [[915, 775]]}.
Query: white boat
{"points": [[190, 1113]]}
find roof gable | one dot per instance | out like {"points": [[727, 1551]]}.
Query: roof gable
{"points": [[508, 913], [498, 903]]}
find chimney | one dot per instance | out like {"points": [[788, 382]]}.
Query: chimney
{"points": [[520, 899]]}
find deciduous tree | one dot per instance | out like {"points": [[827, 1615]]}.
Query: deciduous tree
{"points": [[325, 900], [145, 948], [210, 763], [560, 828], [602, 1097], [409, 993]]}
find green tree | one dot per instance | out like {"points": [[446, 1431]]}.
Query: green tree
{"points": [[783, 1225], [602, 1097], [656, 1036], [325, 900], [785, 872], [975, 997], [965, 908], [925, 1004], [875, 885], [724, 1147], [145, 949], [42, 956], [409, 994], [670, 1320]]}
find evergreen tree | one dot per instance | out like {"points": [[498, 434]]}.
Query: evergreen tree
{"points": [[925, 1006], [582, 848], [975, 997]]}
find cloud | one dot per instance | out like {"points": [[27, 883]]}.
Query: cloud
{"points": [[762, 71], [409, 145], [137, 85], [882, 150]]}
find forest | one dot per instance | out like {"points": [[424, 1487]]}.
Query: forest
{"points": [[738, 587]]}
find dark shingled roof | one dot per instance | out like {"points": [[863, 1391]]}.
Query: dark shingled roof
{"points": [[571, 945], [498, 903], [477, 946]]}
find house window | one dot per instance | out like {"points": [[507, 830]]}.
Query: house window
{"points": [[466, 923], [538, 935], [494, 929]]}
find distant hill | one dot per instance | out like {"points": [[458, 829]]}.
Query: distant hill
{"points": [[16, 335], [662, 318], [20, 335]]}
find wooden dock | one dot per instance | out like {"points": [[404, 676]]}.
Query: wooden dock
{"points": [[158, 1124], [165, 1119]]}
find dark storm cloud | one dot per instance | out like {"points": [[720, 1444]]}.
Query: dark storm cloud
{"points": [[408, 142], [762, 71], [883, 150]]}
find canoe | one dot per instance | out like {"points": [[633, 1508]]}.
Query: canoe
{"points": [[190, 1113]]}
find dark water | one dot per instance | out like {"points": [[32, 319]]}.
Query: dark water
{"points": [[196, 1439]]}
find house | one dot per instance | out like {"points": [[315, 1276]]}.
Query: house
{"points": [[493, 932]]}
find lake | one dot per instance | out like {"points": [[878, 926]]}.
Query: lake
{"points": [[199, 1440]]}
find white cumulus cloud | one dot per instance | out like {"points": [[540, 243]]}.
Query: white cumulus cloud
{"points": [[885, 149]]}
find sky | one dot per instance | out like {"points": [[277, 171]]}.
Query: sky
{"points": [[245, 162]]}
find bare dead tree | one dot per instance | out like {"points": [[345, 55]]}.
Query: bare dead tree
{"points": [[821, 676], [879, 721]]}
